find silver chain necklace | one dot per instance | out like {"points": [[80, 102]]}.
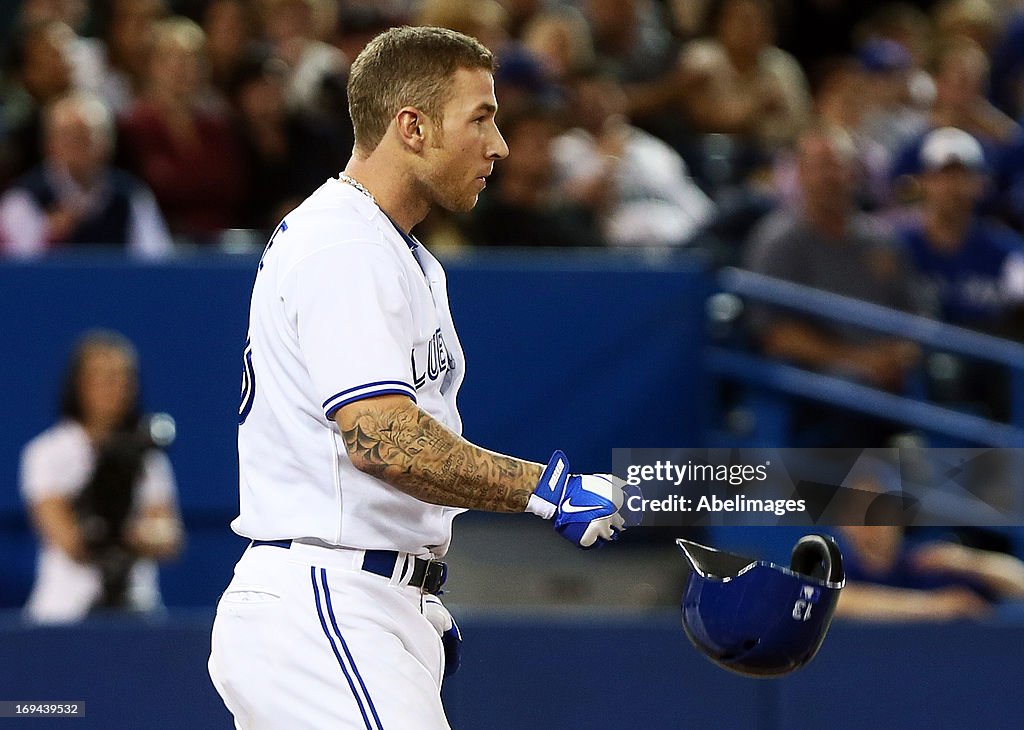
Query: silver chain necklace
{"points": [[413, 243], [358, 186]]}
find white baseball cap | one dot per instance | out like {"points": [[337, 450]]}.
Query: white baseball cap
{"points": [[951, 146]]}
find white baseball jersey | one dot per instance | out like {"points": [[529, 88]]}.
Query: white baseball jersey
{"points": [[345, 306]]}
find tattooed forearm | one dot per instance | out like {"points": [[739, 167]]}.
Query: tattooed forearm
{"points": [[396, 441]]}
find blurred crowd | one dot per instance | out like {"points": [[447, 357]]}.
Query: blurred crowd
{"points": [[878, 139]]}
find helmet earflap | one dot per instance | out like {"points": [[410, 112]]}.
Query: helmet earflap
{"points": [[817, 556]]}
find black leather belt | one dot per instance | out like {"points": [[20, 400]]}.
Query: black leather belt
{"points": [[427, 575]]}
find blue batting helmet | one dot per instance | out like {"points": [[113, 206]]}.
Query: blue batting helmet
{"points": [[757, 618]]}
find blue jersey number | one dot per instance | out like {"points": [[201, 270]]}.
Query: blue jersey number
{"points": [[248, 384], [248, 373]]}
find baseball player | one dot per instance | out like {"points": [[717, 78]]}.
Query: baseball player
{"points": [[351, 462]]}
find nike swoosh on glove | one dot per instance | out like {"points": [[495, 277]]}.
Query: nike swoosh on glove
{"points": [[584, 506]]}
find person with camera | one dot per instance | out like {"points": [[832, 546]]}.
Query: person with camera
{"points": [[100, 491]]}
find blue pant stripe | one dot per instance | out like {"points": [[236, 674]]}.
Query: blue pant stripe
{"points": [[334, 647], [344, 646]]}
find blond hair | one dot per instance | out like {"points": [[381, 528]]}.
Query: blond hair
{"points": [[179, 31], [407, 66], [90, 108]]}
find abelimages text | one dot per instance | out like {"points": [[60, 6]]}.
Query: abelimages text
{"points": [[713, 503]]}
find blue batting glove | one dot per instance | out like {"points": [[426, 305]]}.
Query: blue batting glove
{"points": [[584, 506]]}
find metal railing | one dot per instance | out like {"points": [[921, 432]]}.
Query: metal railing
{"points": [[792, 380]]}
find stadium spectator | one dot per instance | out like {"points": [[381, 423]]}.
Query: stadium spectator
{"points": [[825, 243], [890, 118], [911, 29], [739, 84], [961, 85], [961, 72], [183, 148], [295, 30], [973, 268], [288, 154], [520, 206], [231, 31], [919, 574], [901, 22], [888, 579], [561, 39], [524, 81], [970, 269], [75, 197], [632, 38], [637, 186], [71, 12], [86, 56], [839, 100], [38, 72], [73, 477], [128, 36], [973, 19]]}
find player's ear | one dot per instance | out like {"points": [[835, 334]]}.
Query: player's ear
{"points": [[412, 126]]}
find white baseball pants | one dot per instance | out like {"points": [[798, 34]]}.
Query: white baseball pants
{"points": [[304, 638]]}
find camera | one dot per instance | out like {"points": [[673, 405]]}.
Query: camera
{"points": [[105, 504]]}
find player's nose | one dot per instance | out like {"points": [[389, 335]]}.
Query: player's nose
{"points": [[497, 149]]}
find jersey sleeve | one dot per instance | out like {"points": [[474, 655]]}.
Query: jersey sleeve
{"points": [[351, 308]]}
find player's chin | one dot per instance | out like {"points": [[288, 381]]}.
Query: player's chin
{"points": [[462, 204]]}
